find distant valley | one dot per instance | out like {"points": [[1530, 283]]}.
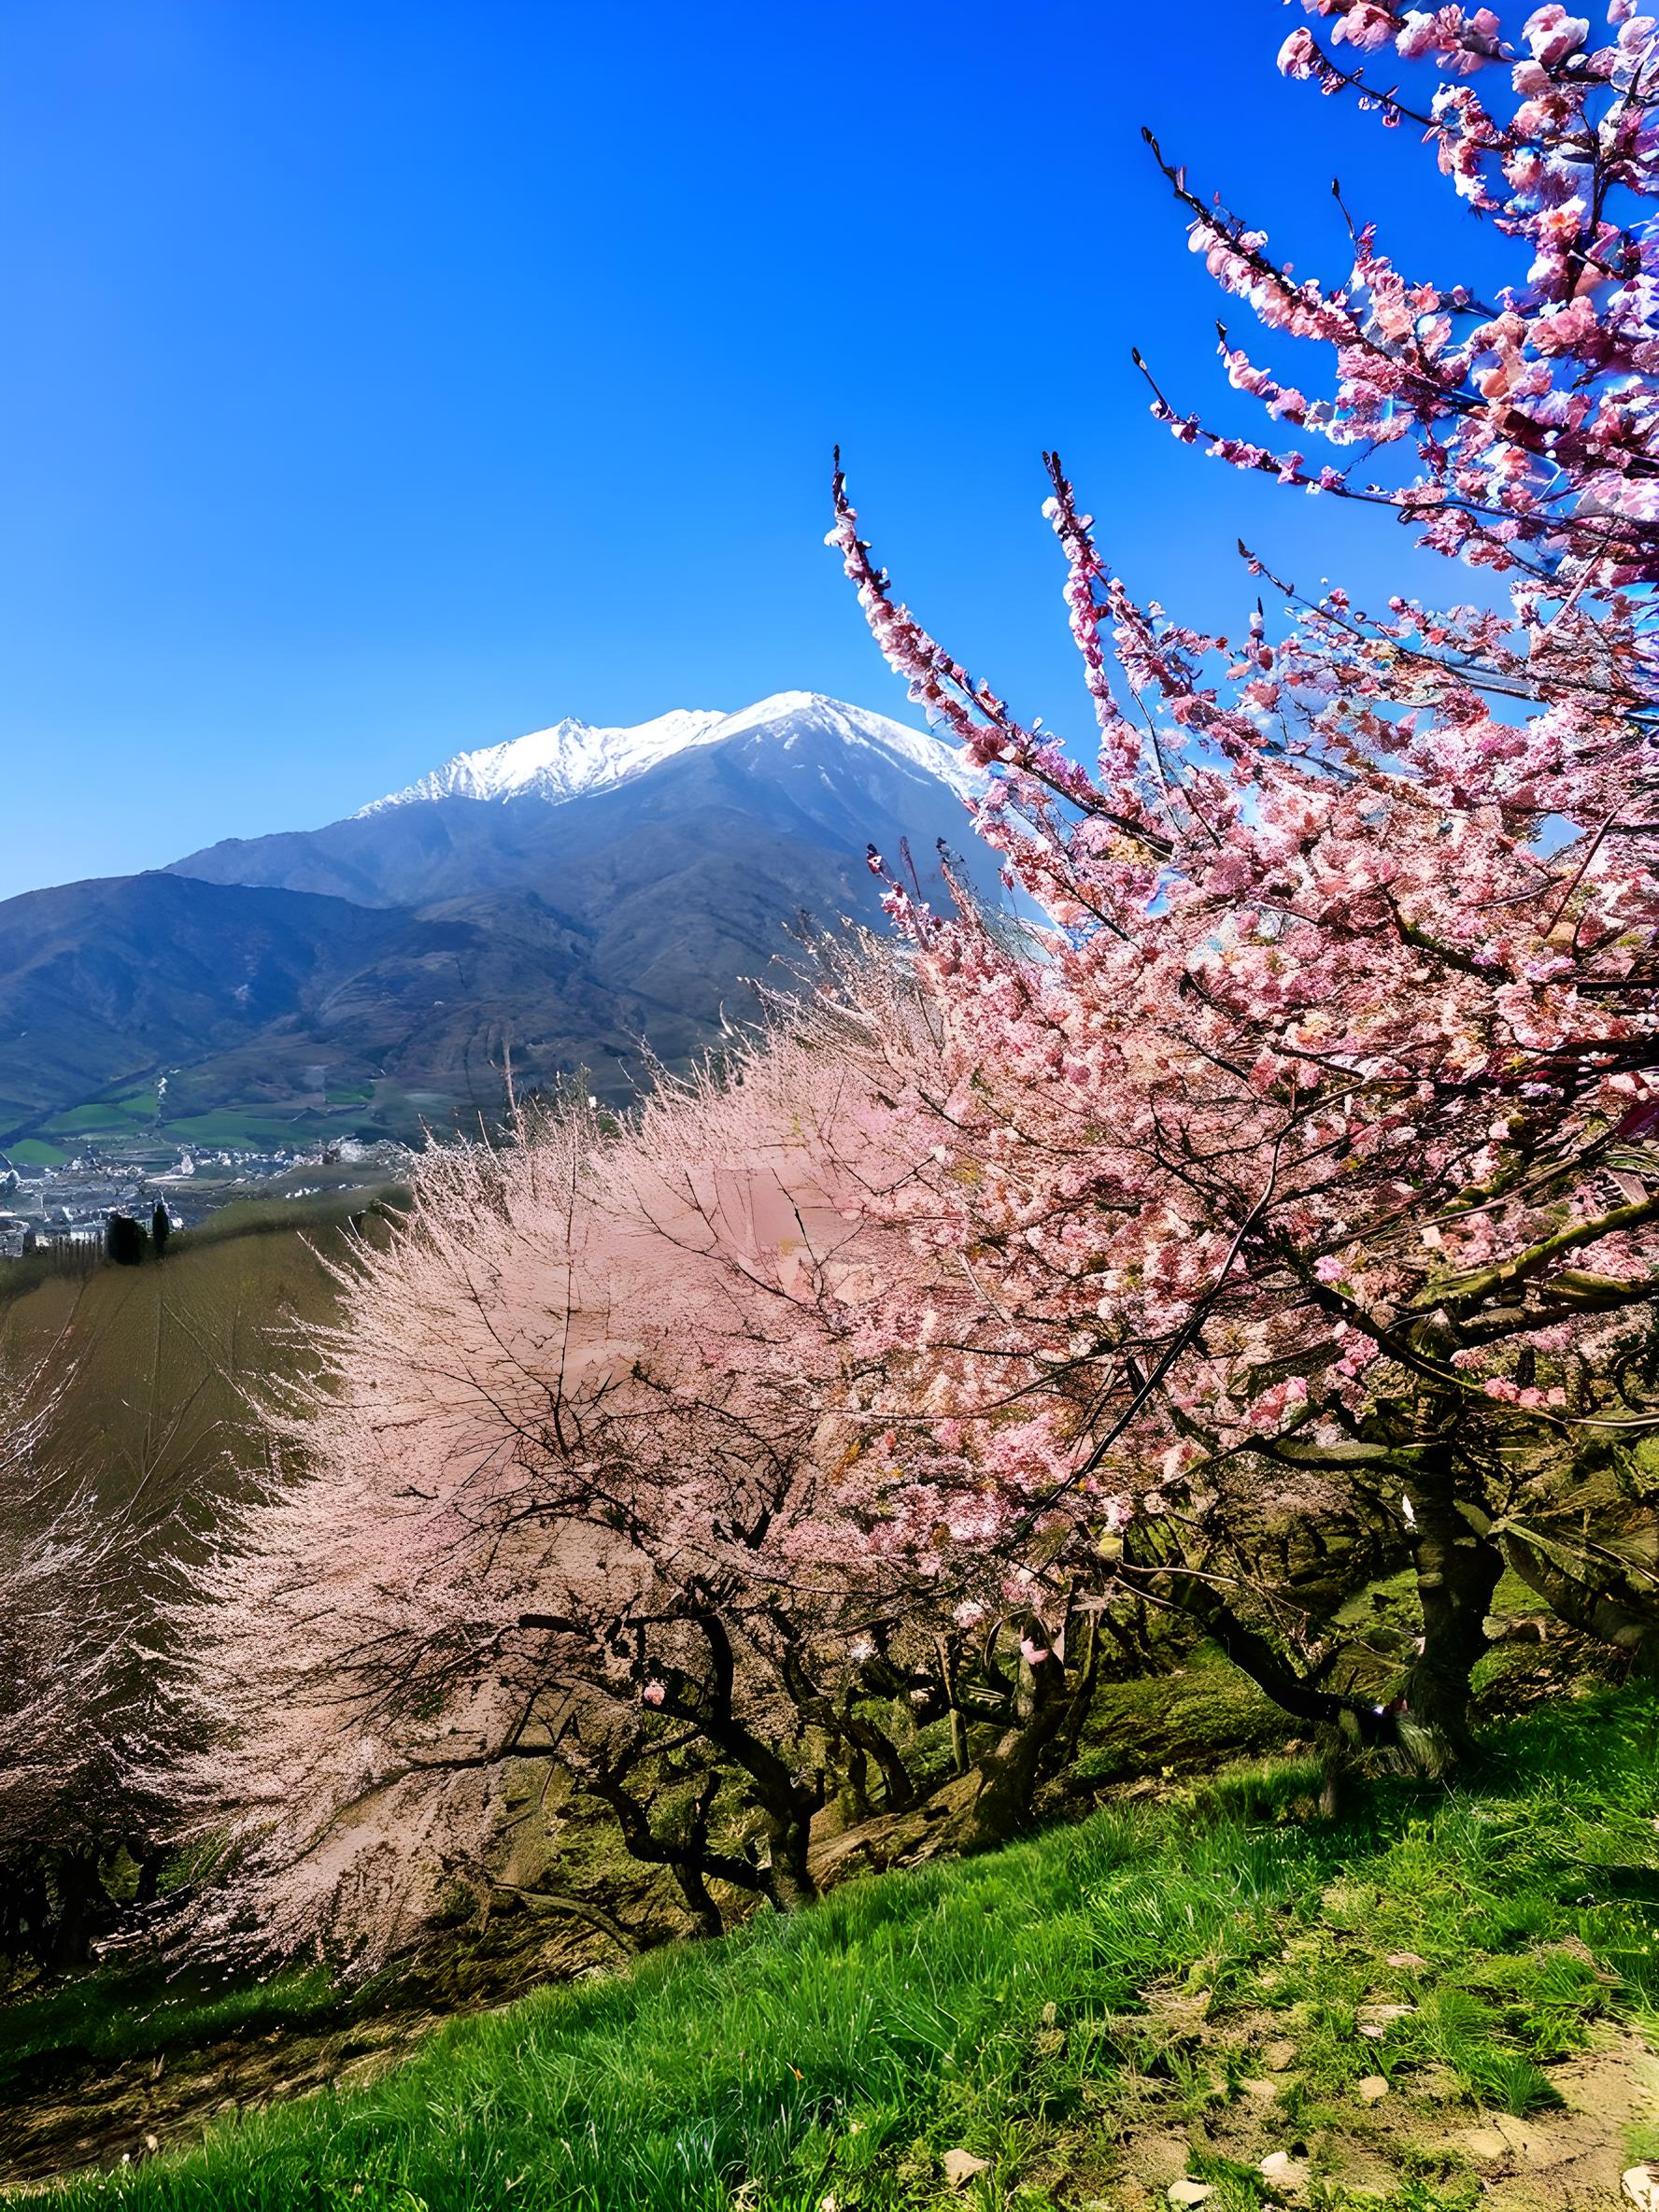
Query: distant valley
{"points": [[577, 897]]}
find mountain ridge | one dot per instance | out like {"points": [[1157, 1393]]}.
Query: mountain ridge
{"points": [[571, 757]]}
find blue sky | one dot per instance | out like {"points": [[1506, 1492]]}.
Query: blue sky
{"points": [[388, 377]]}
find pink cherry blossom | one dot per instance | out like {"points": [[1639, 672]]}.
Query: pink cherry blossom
{"points": [[1553, 33], [1220, 1148]]}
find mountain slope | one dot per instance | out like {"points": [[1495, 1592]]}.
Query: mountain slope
{"points": [[251, 996], [1041, 2014], [103, 981]]}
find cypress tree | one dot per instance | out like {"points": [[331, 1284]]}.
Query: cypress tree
{"points": [[124, 1240]]}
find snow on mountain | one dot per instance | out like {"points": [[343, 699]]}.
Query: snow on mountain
{"points": [[572, 757]]}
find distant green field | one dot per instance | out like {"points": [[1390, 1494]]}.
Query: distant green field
{"points": [[138, 1118], [243, 1131], [311, 1217], [129, 1115], [245, 1128], [112, 1114], [35, 1152], [250, 1130]]}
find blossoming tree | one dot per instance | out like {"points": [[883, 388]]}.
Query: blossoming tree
{"points": [[1314, 1134], [590, 1477]]}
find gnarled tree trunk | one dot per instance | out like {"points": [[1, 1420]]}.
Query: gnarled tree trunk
{"points": [[1459, 1566]]}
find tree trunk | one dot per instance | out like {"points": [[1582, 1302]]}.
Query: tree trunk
{"points": [[1083, 1684], [77, 1896], [856, 1798], [786, 1805], [687, 1857], [788, 1830], [960, 1759], [958, 1725], [1253, 1654], [867, 1739], [1009, 1769], [1458, 1567], [25, 1910], [151, 1866], [705, 1912]]}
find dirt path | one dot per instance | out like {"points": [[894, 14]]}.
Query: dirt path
{"points": [[1569, 2159]]}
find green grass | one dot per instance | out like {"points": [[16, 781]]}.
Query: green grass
{"points": [[35, 1152], [1030, 2008], [1169, 1724], [265, 1217]]}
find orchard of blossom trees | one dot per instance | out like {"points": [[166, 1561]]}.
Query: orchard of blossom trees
{"points": [[1275, 1214]]}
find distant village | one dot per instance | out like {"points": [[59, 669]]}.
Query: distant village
{"points": [[72, 1203]]}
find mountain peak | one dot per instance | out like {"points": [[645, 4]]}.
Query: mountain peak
{"points": [[571, 757]]}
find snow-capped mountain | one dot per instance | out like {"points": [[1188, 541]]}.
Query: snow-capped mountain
{"points": [[796, 773], [571, 757], [572, 898], [558, 764]]}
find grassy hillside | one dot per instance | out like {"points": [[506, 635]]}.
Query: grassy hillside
{"points": [[159, 1358], [1443, 1997]]}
